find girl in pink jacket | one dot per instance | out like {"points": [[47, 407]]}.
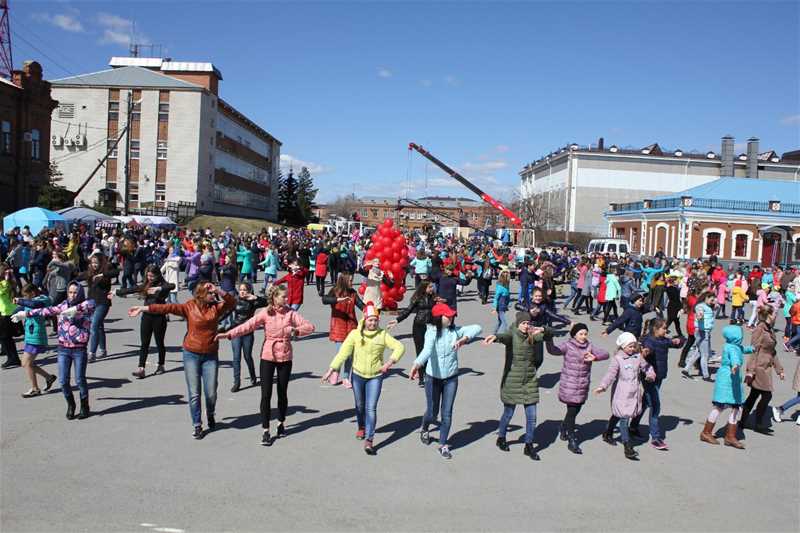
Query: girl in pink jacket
{"points": [[624, 375], [281, 323]]}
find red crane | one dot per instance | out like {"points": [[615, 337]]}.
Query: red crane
{"points": [[6, 63], [468, 184]]}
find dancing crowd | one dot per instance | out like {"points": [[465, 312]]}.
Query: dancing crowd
{"points": [[65, 280]]}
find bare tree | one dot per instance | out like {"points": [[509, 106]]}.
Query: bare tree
{"points": [[538, 212], [343, 206]]}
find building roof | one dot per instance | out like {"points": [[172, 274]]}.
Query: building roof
{"points": [[445, 202], [165, 64], [754, 190], [131, 76]]}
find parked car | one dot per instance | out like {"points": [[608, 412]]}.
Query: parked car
{"points": [[608, 246]]}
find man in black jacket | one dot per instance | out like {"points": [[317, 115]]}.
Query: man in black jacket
{"points": [[631, 319]]}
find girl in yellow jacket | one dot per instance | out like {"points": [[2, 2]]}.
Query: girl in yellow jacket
{"points": [[366, 345]]}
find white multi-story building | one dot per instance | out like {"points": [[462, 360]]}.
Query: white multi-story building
{"points": [[184, 143], [575, 185]]}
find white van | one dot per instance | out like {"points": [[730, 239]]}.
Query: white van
{"points": [[608, 246]]}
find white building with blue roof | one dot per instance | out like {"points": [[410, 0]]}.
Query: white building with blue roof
{"points": [[734, 219]]}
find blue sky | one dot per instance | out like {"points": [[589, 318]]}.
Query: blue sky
{"points": [[487, 87]]}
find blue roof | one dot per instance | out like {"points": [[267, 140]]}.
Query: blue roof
{"points": [[753, 190], [125, 77]]}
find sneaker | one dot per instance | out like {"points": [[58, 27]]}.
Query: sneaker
{"points": [[160, 370], [138, 374], [786, 347], [266, 440], [686, 375], [281, 430], [360, 434], [444, 451], [101, 354], [92, 358], [425, 437], [49, 382], [11, 364], [198, 432], [659, 445], [776, 415], [368, 449], [31, 393], [502, 444]]}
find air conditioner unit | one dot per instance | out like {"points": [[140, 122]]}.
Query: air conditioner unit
{"points": [[67, 141], [80, 140], [58, 140]]}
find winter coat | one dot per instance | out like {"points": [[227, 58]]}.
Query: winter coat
{"points": [[367, 351], [278, 325], [447, 290], [438, 356], [343, 315], [202, 321], [728, 386], [520, 385], [738, 296], [706, 322], [764, 358], [501, 298], [422, 307], [6, 298], [624, 373], [245, 309], [246, 257], [170, 270], [421, 266], [573, 387], [630, 320], [58, 275], [72, 332], [270, 263], [321, 265], [613, 288], [296, 283], [35, 330], [658, 357]]}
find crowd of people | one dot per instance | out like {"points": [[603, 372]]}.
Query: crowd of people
{"points": [[65, 280]]}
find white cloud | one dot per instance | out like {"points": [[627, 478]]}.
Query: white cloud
{"points": [[119, 30], [288, 161], [791, 119], [65, 22], [384, 72], [452, 81], [484, 168]]}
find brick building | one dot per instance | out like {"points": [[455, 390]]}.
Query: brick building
{"points": [[186, 143], [735, 219], [432, 210], [25, 107]]}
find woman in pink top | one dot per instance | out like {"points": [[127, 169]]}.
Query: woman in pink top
{"points": [[281, 323]]}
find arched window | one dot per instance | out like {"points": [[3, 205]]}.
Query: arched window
{"points": [[5, 140], [35, 145], [713, 239]]}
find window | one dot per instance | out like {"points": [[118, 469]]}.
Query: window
{"points": [[163, 112], [161, 192], [611, 248], [66, 111], [623, 248], [135, 149], [134, 197], [109, 145], [113, 111], [619, 233], [161, 150], [5, 140], [712, 243], [111, 185], [137, 111], [35, 144], [740, 246]]}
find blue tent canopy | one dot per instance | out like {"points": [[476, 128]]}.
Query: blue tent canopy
{"points": [[36, 218]]}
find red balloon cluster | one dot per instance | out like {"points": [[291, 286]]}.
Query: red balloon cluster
{"points": [[390, 248]]}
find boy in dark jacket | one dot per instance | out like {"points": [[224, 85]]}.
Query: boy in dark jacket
{"points": [[631, 319]]}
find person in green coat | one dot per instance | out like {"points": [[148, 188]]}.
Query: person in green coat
{"points": [[613, 291], [245, 255], [524, 355]]}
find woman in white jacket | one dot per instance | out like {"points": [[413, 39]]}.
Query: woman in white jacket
{"points": [[170, 270]]}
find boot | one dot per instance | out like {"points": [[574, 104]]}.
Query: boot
{"points": [[70, 407], [730, 437], [707, 435], [530, 452], [84, 409], [630, 453], [502, 444], [562, 433], [608, 435], [572, 444]]}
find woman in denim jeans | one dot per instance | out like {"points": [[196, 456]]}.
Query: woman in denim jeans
{"points": [[74, 323], [704, 324], [366, 345], [439, 359], [98, 280], [200, 348]]}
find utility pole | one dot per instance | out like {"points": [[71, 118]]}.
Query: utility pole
{"points": [[128, 153]]}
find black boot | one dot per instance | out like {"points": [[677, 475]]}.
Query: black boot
{"points": [[630, 453], [530, 452], [572, 444], [608, 436], [502, 444], [84, 409], [70, 408], [562, 433]]}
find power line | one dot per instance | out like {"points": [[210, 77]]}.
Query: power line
{"points": [[56, 63], [79, 125]]}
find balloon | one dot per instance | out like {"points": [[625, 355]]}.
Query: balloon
{"points": [[388, 222], [370, 254], [403, 262], [395, 257], [362, 289]]}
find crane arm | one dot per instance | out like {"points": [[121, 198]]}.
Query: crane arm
{"points": [[468, 184]]}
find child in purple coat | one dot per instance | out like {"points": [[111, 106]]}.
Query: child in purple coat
{"points": [[576, 372], [624, 375]]}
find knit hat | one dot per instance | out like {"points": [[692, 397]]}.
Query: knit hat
{"points": [[442, 309], [576, 328], [625, 339], [370, 310], [522, 316]]}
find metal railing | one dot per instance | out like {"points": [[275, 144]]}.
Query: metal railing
{"points": [[710, 203]]}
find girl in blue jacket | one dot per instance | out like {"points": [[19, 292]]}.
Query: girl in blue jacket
{"points": [[35, 338], [502, 296], [439, 357]]}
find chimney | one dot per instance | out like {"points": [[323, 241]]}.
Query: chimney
{"points": [[600, 144], [727, 156], [752, 157]]}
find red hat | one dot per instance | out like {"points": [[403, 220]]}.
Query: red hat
{"points": [[371, 310], [441, 309]]}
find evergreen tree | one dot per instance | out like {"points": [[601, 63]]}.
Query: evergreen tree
{"points": [[306, 193], [288, 211], [53, 195]]}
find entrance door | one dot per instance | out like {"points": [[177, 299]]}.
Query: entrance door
{"points": [[771, 254]]}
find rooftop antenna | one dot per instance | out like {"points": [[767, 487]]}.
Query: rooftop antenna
{"points": [[6, 63]]}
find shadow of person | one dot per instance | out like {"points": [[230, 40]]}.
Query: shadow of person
{"points": [[139, 403], [546, 434], [103, 383], [471, 371], [475, 431], [324, 420], [254, 419], [305, 375], [548, 381], [398, 429]]}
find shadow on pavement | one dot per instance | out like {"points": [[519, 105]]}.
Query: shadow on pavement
{"points": [[324, 420], [548, 381], [475, 432], [105, 383], [399, 429], [254, 419], [140, 403]]}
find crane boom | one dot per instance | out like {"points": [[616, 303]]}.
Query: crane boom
{"points": [[468, 184]]}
